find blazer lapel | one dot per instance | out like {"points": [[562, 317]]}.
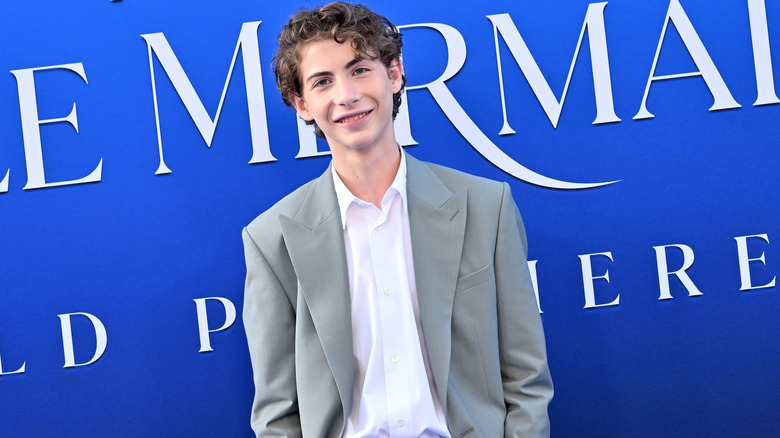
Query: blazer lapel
{"points": [[315, 241], [437, 222]]}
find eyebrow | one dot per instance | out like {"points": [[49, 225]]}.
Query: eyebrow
{"points": [[326, 73]]}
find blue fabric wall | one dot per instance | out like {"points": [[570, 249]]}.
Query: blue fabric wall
{"points": [[692, 189]]}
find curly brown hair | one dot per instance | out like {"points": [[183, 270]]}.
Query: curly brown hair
{"points": [[370, 34]]}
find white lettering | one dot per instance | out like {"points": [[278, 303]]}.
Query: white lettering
{"points": [[744, 262], [402, 125], [587, 280], [253, 79], [67, 339], [19, 371], [706, 68], [33, 151], [534, 282], [4, 182], [203, 320], [663, 271], [456, 57], [762, 56], [602, 84]]}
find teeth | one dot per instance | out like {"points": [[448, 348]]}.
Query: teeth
{"points": [[353, 118]]}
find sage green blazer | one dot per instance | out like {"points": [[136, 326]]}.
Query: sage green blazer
{"points": [[479, 315]]}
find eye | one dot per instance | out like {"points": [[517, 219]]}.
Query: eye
{"points": [[320, 83], [361, 70]]}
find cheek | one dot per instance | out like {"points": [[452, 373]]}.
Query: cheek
{"points": [[318, 110], [315, 108]]}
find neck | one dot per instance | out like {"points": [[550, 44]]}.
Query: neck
{"points": [[369, 175]]}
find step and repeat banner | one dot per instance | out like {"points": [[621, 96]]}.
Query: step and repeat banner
{"points": [[639, 138]]}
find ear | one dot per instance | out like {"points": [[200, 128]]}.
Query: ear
{"points": [[300, 107], [396, 72]]}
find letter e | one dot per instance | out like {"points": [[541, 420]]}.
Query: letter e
{"points": [[587, 280], [744, 263]]}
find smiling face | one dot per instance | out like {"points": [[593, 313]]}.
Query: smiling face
{"points": [[349, 96]]}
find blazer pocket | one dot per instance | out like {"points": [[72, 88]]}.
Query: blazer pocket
{"points": [[467, 432], [476, 278]]}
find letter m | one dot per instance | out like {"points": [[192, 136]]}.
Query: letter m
{"points": [[602, 84], [248, 45]]}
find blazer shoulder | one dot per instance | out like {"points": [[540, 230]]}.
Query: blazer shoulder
{"points": [[267, 223], [454, 179], [448, 174]]}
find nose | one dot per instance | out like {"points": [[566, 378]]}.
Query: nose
{"points": [[347, 94]]}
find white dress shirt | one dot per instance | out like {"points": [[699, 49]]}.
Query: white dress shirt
{"points": [[394, 393]]}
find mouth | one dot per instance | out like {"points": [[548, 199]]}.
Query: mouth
{"points": [[353, 117]]}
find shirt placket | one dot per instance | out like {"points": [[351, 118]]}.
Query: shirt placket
{"points": [[383, 239]]}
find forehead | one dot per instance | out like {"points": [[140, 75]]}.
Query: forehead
{"points": [[325, 51], [327, 55]]}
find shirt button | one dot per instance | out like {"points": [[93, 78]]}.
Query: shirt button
{"points": [[387, 291], [379, 228], [394, 358], [400, 423]]}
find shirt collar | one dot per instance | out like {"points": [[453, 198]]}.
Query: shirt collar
{"points": [[346, 198]]}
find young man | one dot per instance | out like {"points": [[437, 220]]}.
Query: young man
{"points": [[388, 297]]}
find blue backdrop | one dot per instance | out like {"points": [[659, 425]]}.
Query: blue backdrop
{"points": [[119, 281]]}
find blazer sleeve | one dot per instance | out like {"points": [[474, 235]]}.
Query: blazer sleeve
{"points": [[269, 321], [525, 375]]}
